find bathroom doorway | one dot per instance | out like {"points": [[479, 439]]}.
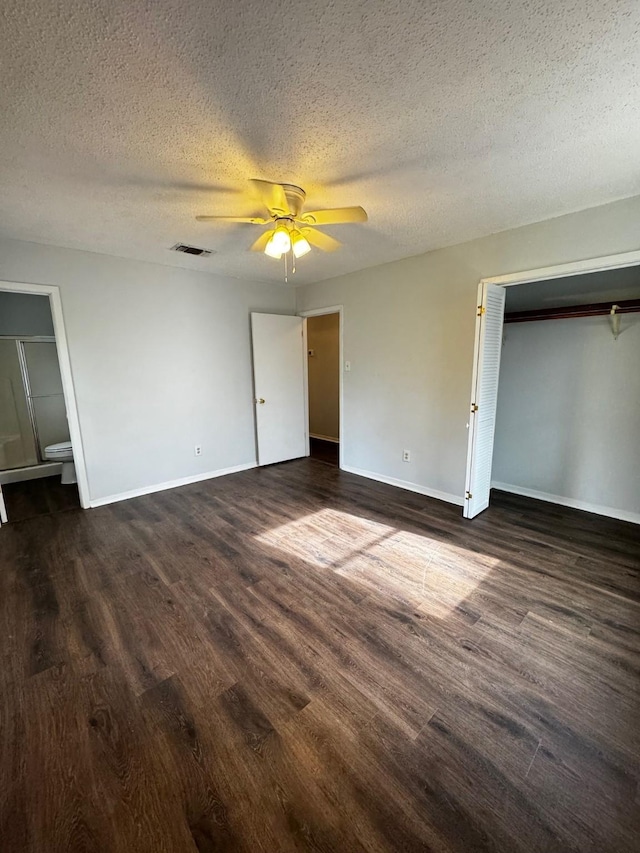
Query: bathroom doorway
{"points": [[323, 336], [37, 455]]}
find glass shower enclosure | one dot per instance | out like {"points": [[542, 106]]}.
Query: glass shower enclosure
{"points": [[32, 407]]}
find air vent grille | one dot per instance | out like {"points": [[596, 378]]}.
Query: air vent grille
{"points": [[191, 250]]}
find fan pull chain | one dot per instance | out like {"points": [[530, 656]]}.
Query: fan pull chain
{"points": [[286, 279]]}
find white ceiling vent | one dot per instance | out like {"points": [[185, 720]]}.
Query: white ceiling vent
{"points": [[191, 250]]}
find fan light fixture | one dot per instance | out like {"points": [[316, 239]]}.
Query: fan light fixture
{"points": [[279, 243], [300, 244], [295, 231], [282, 241]]}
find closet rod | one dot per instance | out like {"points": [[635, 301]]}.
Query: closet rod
{"points": [[597, 309]]}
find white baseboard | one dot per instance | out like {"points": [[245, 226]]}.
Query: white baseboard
{"points": [[620, 514], [324, 437], [33, 472], [405, 484], [170, 484]]}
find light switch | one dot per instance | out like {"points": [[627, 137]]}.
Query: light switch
{"points": [[347, 366]]}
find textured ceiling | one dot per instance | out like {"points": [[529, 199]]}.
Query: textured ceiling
{"points": [[122, 119], [607, 286]]}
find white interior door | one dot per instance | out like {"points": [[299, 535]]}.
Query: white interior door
{"points": [[278, 373], [484, 400]]}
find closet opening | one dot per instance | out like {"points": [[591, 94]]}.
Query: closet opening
{"points": [[554, 413]]}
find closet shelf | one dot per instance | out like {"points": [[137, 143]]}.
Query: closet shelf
{"points": [[596, 309]]}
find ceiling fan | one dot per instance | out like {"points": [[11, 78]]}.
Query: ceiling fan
{"points": [[293, 231]]}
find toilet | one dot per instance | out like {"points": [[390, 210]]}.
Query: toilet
{"points": [[62, 452]]}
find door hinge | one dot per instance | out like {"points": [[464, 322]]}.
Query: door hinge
{"points": [[481, 310], [474, 407], [467, 496]]}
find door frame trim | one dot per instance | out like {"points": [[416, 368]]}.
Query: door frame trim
{"points": [[600, 264], [320, 312], [55, 303]]}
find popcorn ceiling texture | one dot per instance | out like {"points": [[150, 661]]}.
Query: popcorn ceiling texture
{"points": [[123, 119]]}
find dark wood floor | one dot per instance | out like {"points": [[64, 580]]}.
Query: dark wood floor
{"points": [[44, 496], [295, 658], [324, 451]]}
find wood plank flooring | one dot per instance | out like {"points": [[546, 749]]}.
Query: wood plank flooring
{"points": [[43, 496], [295, 658], [324, 451]]}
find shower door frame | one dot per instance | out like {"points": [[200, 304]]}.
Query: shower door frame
{"points": [[55, 303], [20, 341]]}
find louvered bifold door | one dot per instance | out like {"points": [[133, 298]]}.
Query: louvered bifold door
{"points": [[485, 400]]}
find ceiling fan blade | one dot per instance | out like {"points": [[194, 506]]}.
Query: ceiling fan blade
{"points": [[262, 241], [272, 196], [335, 216], [320, 240], [252, 220]]}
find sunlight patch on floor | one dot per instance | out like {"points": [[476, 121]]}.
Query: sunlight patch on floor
{"points": [[431, 575], [325, 538]]}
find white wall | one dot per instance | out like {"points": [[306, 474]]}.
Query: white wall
{"points": [[23, 314], [568, 420], [409, 329], [160, 359]]}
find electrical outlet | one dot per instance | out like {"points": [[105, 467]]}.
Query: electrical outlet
{"points": [[197, 450], [406, 456]]}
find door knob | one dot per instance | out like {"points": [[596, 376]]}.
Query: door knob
{"points": [[260, 400]]}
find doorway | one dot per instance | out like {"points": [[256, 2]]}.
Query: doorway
{"points": [[323, 337], [298, 389], [487, 367], [33, 420], [40, 445]]}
